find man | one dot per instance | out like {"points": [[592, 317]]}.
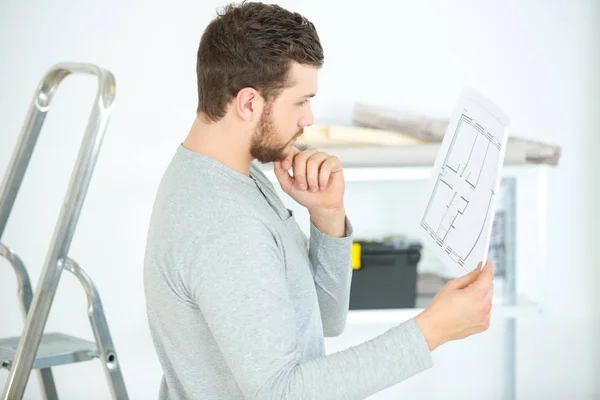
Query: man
{"points": [[239, 301]]}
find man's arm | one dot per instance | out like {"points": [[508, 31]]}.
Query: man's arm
{"points": [[318, 184], [237, 278], [330, 257]]}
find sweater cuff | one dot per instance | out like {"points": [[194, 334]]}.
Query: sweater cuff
{"points": [[323, 238]]}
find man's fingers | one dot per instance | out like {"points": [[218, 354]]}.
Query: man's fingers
{"points": [[299, 164], [281, 169], [464, 281], [313, 165], [283, 176], [311, 169], [490, 292], [286, 163], [485, 278], [487, 299], [331, 165]]}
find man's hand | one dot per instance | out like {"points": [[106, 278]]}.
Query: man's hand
{"points": [[317, 184], [318, 181], [462, 308]]}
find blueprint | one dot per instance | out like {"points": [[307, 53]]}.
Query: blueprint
{"points": [[461, 197]]}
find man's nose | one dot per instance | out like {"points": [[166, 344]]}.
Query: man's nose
{"points": [[307, 119]]}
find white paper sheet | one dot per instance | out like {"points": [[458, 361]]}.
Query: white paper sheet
{"points": [[458, 215]]}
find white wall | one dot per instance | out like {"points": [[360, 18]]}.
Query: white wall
{"points": [[537, 60]]}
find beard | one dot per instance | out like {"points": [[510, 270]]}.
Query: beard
{"points": [[265, 145]]}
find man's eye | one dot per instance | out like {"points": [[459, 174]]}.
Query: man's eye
{"points": [[303, 102]]}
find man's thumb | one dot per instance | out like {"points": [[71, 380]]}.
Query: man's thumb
{"points": [[464, 281], [283, 176]]}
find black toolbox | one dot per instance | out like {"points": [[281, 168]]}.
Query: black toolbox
{"points": [[384, 274]]}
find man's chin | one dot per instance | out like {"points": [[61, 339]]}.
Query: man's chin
{"points": [[272, 155], [271, 158]]}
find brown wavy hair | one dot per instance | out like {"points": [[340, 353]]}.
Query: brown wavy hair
{"points": [[251, 44]]}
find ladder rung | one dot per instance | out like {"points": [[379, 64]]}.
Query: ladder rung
{"points": [[55, 349]]}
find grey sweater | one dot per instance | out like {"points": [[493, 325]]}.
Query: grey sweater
{"points": [[239, 300]]}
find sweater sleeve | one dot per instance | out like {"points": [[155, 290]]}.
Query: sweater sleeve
{"points": [[330, 259], [239, 285]]}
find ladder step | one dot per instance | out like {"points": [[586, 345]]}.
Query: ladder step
{"points": [[55, 349]]}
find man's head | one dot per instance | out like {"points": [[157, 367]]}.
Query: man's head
{"points": [[258, 63]]}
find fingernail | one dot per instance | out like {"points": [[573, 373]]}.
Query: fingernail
{"points": [[286, 164], [302, 186], [322, 187], [313, 189]]}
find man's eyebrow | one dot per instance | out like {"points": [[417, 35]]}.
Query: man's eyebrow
{"points": [[308, 95]]}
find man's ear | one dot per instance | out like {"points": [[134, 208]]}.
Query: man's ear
{"points": [[248, 104]]}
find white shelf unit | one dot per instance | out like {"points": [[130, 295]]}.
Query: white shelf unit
{"points": [[414, 162], [406, 163]]}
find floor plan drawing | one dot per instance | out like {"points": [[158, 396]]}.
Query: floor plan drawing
{"points": [[458, 216]]}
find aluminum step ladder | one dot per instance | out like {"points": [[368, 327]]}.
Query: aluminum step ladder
{"points": [[34, 350]]}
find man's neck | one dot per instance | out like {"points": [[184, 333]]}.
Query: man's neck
{"points": [[221, 141]]}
